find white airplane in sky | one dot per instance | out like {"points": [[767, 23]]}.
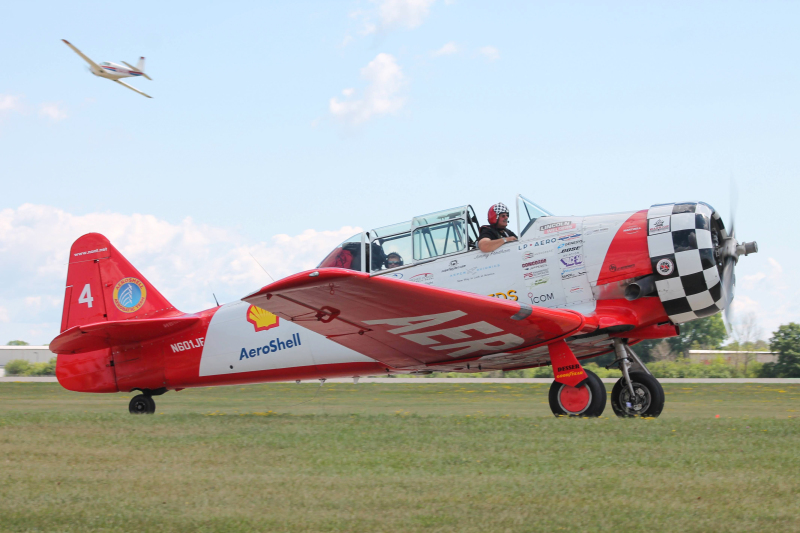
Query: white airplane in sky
{"points": [[112, 71]]}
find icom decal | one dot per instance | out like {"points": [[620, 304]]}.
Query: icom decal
{"points": [[261, 319], [556, 227], [665, 267], [129, 295], [275, 345], [658, 225], [540, 298]]}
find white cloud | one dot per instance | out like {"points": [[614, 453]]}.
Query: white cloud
{"points": [[381, 96], [490, 52], [10, 103], [446, 50], [186, 261], [53, 111], [404, 13]]}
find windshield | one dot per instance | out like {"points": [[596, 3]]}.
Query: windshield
{"points": [[527, 213]]}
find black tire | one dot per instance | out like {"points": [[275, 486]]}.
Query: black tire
{"points": [[142, 405], [647, 388], [595, 403]]}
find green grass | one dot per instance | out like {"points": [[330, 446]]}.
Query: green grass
{"points": [[396, 457]]}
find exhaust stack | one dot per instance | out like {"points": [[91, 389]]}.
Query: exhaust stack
{"points": [[640, 287]]}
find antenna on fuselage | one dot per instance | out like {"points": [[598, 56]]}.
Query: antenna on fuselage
{"points": [[215, 298], [262, 267]]}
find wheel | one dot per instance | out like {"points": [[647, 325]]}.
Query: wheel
{"points": [[649, 396], [587, 399], [142, 405]]}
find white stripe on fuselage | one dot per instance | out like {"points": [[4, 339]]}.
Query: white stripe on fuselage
{"points": [[232, 345]]}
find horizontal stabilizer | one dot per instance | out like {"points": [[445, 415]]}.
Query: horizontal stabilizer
{"points": [[80, 339], [137, 70]]}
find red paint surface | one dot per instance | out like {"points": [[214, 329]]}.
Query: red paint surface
{"points": [[627, 256]]}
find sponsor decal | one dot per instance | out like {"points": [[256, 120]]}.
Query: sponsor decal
{"points": [[556, 227], [91, 252], [573, 260], [537, 274], [540, 298], [534, 264], [453, 266], [576, 290], [543, 242], [665, 267], [569, 249], [631, 230], [571, 237], [129, 295], [261, 319], [568, 368], [658, 225], [572, 275], [615, 268], [541, 281], [499, 251], [596, 231], [395, 275], [426, 278], [510, 295], [187, 345], [273, 346]]}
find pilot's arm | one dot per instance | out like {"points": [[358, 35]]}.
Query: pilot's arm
{"points": [[491, 239]]}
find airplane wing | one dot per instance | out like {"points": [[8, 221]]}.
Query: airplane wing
{"points": [[137, 70], [405, 324], [85, 58], [132, 88]]}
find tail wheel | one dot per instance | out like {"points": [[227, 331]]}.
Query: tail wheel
{"points": [[142, 405], [648, 399], [587, 399]]}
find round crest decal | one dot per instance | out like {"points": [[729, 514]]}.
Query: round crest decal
{"points": [[665, 267], [129, 295]]}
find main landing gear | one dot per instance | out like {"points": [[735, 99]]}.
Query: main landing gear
{"points": [[144, 404], [637, 393]]}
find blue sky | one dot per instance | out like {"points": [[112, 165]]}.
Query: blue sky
{"points": [[305, 120]]}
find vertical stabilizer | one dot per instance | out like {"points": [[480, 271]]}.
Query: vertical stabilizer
{"points": [[140, 65], [102, 285]]}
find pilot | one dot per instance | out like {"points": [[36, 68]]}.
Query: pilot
{"points": [[393, 260], [496, 234]]}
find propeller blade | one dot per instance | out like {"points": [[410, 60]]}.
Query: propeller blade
{"points": [[728, 285]]}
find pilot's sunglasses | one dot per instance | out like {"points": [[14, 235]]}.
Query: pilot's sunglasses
{"points": [[395, 263]]}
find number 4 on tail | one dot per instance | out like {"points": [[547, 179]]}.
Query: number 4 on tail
{"points": [[86, 296]]}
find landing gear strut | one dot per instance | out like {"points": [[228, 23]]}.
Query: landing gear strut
{"points": [[637, 393], [142, 405]]}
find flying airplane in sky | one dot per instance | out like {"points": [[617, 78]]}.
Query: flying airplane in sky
{"points": [[112, 71], [417, 297]]}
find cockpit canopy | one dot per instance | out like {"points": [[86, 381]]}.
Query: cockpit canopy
{"points": [[422, 239]]}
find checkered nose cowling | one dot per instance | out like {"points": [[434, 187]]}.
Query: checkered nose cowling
{"points": [[681, 248]]}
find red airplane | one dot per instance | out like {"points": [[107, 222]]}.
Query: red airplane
{"points": [[414, 298]]}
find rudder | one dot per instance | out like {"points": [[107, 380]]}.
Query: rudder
{"points": [[102, 285]]}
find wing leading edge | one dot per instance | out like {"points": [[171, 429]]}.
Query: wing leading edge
{"points": [[404, 324], [131, 88]]}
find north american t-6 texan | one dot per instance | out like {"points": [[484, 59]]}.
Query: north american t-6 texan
{"points": [[414, 298]]}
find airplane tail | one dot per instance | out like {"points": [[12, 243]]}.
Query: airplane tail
{"points": [[103, 286], [140, 65]]}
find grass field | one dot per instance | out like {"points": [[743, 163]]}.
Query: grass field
{"points": [[397, 457]]}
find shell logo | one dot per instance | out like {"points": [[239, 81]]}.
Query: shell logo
{"points": [[261, 318]]}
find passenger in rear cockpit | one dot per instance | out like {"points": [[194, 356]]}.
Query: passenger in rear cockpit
{"points": [[393, 260], [496, 234]]}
